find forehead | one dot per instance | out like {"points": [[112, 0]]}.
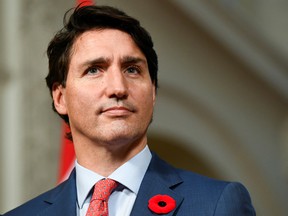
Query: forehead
{"points": [[104, 40]]}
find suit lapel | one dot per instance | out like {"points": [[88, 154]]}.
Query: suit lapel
{"points": [[160, 178], [62, 201]]}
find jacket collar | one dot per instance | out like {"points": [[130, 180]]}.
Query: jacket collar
{"points": [[160, 178], [62, 200]]}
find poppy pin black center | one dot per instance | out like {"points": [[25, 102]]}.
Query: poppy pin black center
{"points": [[162, 204]]}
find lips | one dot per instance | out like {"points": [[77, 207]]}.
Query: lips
{"points": [[117, 111]]}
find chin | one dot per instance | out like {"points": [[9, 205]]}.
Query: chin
{"points": [[124, 138], [121, 133]]}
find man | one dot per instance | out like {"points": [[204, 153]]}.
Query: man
{"points": [[103, 80]]}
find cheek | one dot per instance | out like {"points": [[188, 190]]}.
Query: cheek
{"points": [[146, 99], [78, 99]]}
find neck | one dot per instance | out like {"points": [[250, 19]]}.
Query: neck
{"points": [[104, 159]]}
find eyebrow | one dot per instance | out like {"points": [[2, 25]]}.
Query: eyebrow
{"points": [[133, 60], [100, 60], [124, 61]]}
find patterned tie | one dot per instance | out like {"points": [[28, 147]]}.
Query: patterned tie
{"points": [[99, 201]]}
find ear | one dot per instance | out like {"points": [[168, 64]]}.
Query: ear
{"points": [[154, 94], [58, 94]]}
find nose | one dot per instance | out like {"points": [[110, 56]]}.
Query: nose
{"points": [[117, 85]]}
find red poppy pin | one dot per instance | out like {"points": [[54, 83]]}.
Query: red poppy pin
{"points": [[161, 204]]}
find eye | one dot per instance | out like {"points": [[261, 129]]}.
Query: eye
{"points": [[133, 70], [92, 70]]}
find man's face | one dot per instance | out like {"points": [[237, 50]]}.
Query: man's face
{"points": [[109, 96]]}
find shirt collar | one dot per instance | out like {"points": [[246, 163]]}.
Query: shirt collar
{"points": [[130, 175], [85, 180]]}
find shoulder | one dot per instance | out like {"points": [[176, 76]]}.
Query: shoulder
{"points": [[199, 181], [39, 203], [196, 183], [206, 189], [234, 199], [204, 194], [35, 205], [189, 179], [222, 198]]}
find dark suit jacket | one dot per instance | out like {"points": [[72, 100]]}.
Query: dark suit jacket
{"points": [[194, 194]]}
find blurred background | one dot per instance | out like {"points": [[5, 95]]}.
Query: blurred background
{"points": [[221, 108]]}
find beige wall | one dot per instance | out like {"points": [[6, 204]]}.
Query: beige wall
{"points": [[210, 104]]}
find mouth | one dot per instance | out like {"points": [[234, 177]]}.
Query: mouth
{"points": [[117, 111]]}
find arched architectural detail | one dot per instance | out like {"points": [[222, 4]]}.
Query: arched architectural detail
{"points": [[196, 129]]}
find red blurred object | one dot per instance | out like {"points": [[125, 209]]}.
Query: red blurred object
{"points": [[67, 155], [84, 2]]}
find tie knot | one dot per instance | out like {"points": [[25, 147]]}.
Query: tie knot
{"points": [[103, 189]]}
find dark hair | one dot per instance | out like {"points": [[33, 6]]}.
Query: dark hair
{"points": [[94, 17]]}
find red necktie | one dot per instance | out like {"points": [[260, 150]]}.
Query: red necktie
{"points": [[99, 201]]}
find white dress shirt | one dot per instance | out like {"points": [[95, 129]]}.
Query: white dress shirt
{"points": [[129, 175]]}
